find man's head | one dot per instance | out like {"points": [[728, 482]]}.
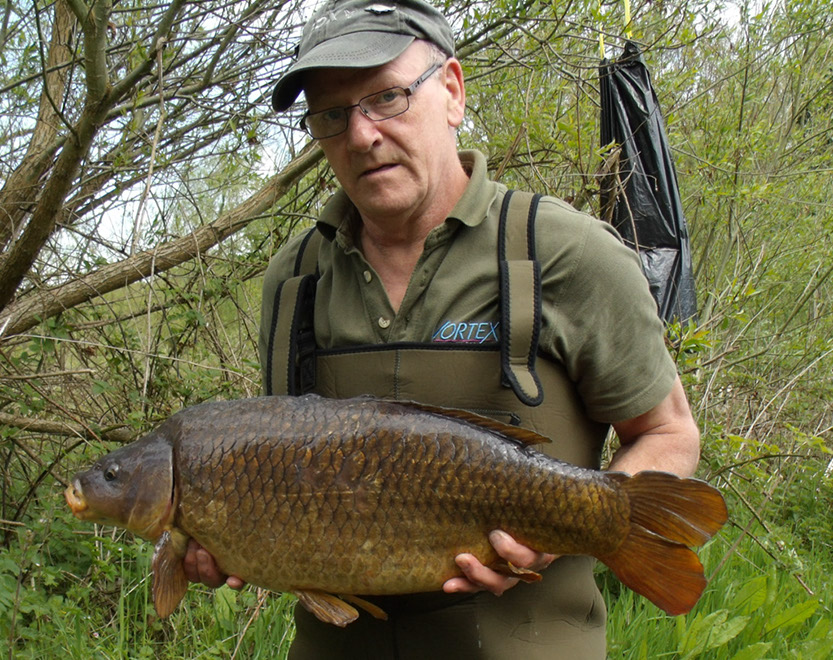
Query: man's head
{"points": [[385, 96], [401, 166], [361, 34]]}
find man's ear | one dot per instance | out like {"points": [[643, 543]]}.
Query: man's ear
{"points": [[456, 88]]}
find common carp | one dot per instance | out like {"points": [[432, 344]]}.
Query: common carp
{"points": [[334, 499]]}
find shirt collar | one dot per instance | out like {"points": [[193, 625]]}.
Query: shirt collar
{"points": [[338, 218], [478, 196]]}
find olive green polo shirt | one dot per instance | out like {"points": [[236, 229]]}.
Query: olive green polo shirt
{"points": [[598, 317]]}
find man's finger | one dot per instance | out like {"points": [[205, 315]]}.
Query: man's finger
{"points": [[210, 574], [517, 554], [477, 578], [199, 566], [189, 562], [235, 582]]}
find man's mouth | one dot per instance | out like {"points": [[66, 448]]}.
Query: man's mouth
{"points": [[378, 170]]}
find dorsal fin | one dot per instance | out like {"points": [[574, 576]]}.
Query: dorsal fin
{"points": [[522, 435]]}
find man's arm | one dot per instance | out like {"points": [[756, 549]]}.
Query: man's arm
{"points": [[665, 438]]}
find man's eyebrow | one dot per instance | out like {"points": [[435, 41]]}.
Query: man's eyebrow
{"points": [[385, 80]]}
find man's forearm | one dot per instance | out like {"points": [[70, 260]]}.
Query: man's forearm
{"points": [[665, 438]]}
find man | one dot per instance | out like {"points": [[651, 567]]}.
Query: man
{"points": [[408, 259]]}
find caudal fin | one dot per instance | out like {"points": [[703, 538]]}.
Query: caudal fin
{"points": [[668, 514]]}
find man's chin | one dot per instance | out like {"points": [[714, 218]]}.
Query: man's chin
{"points": [[392, 199]]}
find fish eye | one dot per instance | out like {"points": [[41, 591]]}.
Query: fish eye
{"points": [[111, 472]]}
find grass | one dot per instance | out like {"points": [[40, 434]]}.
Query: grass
{"points": [[751, 609]]}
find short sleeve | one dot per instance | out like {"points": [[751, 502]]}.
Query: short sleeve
{"points": [[599, 318]]}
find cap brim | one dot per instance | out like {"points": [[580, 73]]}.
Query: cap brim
{"points": [[358, 50]]}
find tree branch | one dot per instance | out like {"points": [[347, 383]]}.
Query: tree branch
{"points": [[95, 50], [20, 190], [18, 260], [80, 9], [51, 427], [127, 83], [28, 312]]}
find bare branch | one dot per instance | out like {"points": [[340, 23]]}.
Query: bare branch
{"points": [[50, 427], [20, 189], [29, 311], [157, 42]]}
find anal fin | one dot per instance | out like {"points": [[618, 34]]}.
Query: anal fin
{"points": [[327, 607], [374, 610]]}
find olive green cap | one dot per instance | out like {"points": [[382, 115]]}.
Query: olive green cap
{"points": [[361, 34]]}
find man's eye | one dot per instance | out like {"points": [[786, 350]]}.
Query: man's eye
{"points": [[331, 116], [385, 98]]}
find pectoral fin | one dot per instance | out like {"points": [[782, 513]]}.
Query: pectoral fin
{"points": [[169, 581], [327, 607]]}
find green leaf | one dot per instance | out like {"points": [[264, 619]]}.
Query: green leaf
{"points": [[722, 634], [751, 596], [710, 632], [693, 642], [793, 616], [225, 606], [100, 387], [822, 630], [754, 652], [819, 642]]}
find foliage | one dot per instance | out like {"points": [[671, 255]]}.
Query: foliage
{"points": [[131, 261], [48, 608]]}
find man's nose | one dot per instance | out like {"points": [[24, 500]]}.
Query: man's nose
{"points": [[362, 132]]}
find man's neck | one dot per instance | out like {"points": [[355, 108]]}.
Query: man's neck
{"points": [[393, 246]]}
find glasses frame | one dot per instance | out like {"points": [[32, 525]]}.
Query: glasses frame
{"points": [[409, 91]]}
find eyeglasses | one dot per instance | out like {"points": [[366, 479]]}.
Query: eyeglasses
{"points": [[379, 106]]}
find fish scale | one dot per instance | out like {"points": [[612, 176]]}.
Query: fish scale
{"points": [[364, 496]]}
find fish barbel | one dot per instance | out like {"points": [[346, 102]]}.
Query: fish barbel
{"points": [[331, 499]]}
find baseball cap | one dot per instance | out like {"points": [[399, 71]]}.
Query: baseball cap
{"points": [[361, 34]]}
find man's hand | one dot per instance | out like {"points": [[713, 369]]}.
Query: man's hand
{"points": [[480, 578], [200, 566]]}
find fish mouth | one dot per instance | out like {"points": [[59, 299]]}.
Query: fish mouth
{"points": [[75, 499]]}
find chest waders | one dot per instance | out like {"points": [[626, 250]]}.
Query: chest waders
{"points": [[563, 615]]}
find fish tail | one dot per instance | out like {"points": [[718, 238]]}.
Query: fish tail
{"points": [[668, 514]]}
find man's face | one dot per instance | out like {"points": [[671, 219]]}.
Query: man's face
{"points": [[391, 168]]}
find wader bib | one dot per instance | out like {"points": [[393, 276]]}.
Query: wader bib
{"points": [[563, 616]]}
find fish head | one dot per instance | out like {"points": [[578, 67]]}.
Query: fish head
{"points": [[132, 487]]}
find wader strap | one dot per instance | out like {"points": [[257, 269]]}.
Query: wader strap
{"points": [[290, 367], [306, 261], [520, 296]]}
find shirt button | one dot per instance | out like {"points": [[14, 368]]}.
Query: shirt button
{"points": [[383, 322], [368, 276]]}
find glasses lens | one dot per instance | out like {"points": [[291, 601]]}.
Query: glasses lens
{"points": [[385, 104], [381, 105], [326, 123]]}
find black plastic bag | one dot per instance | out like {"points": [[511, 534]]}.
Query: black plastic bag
{"points": [[641, 199]]}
